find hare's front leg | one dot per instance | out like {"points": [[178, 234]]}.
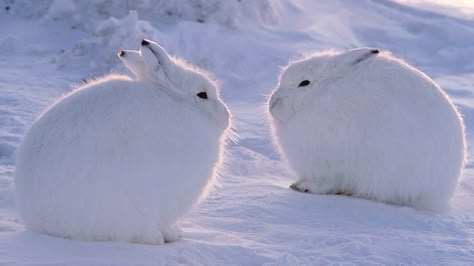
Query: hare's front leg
{"points": [[150, 238], [172, 233], [315, 186]]}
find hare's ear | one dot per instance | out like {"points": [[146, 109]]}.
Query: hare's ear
{"points": [[155, 57], [134, 61], [355, 56]]}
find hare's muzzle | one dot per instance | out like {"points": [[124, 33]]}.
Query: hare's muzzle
{"points": [[274, 102]]}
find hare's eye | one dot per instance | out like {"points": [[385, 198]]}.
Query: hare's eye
{"points": [[202, 95], [304, 83]]}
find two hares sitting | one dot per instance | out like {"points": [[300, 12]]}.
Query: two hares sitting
{"points": [[122, 159], [364, 123]]}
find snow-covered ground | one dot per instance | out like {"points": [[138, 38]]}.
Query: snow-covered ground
{"points": [[251, 218]]}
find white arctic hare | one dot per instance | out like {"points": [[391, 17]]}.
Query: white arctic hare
{"points": [[121, 159], [364, 123]]}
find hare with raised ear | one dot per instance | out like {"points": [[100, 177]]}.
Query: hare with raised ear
{"points": [[367, 124], [120, 159]]}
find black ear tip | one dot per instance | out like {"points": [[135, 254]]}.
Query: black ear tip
{"points": [[145, 42], [375, 51], [121, 53]]}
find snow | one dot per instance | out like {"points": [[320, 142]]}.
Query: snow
{"points": [[251, 217]]}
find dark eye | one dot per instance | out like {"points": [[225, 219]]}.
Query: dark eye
{"points": [[304, 83], [202, 95]]}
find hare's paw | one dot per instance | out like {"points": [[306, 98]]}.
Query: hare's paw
{"points": [[155, 238], [172, 233], [296, 187], [312, 186]]}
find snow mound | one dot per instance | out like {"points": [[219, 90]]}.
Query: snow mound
{"points": [[107, 38], [227, 13], [116, 25]]}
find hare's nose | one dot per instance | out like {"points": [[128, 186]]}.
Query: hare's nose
{"points": [[121, 53], [274, 101], [145, 42]]}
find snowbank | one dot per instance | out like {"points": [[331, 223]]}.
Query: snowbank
{"points": [[115, 25]]}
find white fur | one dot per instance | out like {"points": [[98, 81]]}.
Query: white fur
{"points": [[368, 125], [121, 159]]}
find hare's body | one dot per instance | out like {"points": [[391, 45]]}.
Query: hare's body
{"points": [[371, 126], [119, 160]]}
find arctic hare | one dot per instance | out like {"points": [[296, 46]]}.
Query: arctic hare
{"points": [[121, 159], [367, 124]]}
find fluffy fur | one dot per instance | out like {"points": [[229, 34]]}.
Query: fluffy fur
{"points": [[121, 159], [368, 125]]}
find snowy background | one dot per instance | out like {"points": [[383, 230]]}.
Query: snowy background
{"points": [[251, 218]]}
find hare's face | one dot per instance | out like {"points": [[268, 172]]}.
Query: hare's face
{"points": [[179, 80], [305, 81], [203, 93]]}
